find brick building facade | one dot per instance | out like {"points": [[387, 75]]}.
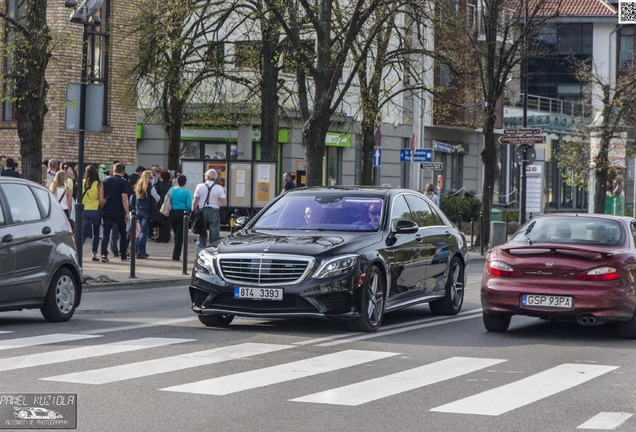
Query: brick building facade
{"points": [[118, 138]]}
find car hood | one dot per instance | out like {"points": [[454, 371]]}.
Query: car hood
{"points": [[296, 242]]}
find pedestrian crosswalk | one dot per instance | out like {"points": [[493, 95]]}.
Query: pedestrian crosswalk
{"points": [[361, 388]]}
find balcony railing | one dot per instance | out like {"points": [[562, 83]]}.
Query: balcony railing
{"points": [[557, 106]]}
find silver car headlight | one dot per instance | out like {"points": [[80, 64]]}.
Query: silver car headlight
{"points": [[207, 260], [336, 266]]}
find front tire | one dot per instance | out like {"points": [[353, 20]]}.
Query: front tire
{"points": [[453, 298], [497, 323], [216, 320], [627, 329], [61, 297], [371, 303]]}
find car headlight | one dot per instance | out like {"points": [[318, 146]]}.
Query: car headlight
{"points": [[336, 266], [206, 260]]}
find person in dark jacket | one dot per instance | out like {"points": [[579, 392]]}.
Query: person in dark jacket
{"points": [[141, 202], [10, 171], [162, 187]]}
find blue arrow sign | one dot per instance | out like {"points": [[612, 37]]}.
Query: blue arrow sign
{"points": [[421, 155], [377, 157]]}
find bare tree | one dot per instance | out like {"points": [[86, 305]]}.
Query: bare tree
{"points": [[28, 46], [481, 55], [610, 125], [324, 73], [181, 61]]}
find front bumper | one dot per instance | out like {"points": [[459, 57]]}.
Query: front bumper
{"points": [[333, 299]]}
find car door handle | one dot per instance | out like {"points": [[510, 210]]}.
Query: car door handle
{"points": [[447, 234], [46, 230], [419, 238], [7, 239]]}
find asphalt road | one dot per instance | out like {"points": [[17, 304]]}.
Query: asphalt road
{"points": [[139, 361]]}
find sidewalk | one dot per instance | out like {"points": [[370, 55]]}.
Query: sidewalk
{"points": [[157, 270]]}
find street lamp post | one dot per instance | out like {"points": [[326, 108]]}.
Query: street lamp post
{"points": [[85, 15]]}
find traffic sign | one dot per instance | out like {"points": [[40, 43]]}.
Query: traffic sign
{"points": [[377, 156], [521, 139], [523, 131], [421, 155], [432, 165]]}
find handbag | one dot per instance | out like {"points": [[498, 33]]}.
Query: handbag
{"points": [[196, 221], [166, 206]]}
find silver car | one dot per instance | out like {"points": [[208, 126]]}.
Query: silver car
{"points": [[38, 260]]}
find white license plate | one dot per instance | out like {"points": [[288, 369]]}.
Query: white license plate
{"points": [[258, 293], [549, 301]]}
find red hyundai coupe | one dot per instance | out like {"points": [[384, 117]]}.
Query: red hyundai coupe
{"points": [[564, 267]]}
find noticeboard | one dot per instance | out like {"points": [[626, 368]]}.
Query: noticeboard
{"points": [[193, 170], [263, 183], [239, 193]]}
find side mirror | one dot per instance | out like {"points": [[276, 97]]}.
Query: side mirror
{"points": [[406, 227], [240, 222]]}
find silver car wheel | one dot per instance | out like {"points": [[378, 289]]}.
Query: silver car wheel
{"points": [[65, 294], [375, 303]]}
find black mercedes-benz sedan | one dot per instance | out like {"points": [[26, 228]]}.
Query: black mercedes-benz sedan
{"points": [[344, 253]]}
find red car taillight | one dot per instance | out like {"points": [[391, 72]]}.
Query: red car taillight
{"points": [[499, 268], [600, 274]]}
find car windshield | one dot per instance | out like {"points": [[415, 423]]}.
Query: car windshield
{"points": [[328, 211], [572, 230]]}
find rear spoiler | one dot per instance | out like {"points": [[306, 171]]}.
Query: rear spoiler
{"points": [[603, 252]]}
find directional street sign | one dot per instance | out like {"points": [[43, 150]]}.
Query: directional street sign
{"points": [[377, 157], [523, 131], [432, 165], [421, 155], [521, 139]]}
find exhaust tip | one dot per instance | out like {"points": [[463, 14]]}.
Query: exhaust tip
{"points": [[587, 320]]}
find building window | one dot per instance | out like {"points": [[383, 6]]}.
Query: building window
{"points": [[98, 48], [446, 76], [216, 55], [626, 55]]}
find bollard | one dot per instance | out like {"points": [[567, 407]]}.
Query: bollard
{"points": [[506, 220], [233, 221], [481, 232], [459, 222], [472, 231], [185, 243], [133, 244]]}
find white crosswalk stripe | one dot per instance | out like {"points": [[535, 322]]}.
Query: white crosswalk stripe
{"points": [[60, 356], [523, 392], [281, 373], [606, 421], [42, 340], [378, 388], [168, 364]]}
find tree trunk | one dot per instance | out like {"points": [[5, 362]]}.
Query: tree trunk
{"points": [[489, 159], [368, 145], [173, 130], [315, 133], [269, 102], [31, 89]]}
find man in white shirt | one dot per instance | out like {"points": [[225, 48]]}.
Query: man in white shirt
{"points": [[209, 197]]}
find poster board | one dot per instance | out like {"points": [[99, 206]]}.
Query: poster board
{"points": [[221, 171], [239, 185], [263, 183], [193, 170]]}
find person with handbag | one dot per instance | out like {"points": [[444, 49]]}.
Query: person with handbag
{"points": [[162, 187], [63, 194], [181, 202], [209, 197]]}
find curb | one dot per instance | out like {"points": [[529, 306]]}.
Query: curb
{"points": [[136, 283]]}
